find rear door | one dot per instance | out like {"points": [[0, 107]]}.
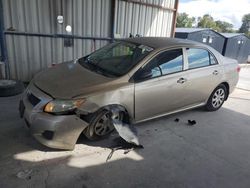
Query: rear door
{"points": [[160, 85], [204, 74]]}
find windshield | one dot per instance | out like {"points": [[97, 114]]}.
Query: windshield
{"points": [[115, 59]]}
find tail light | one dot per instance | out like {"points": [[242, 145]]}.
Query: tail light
{"points": [[238, 68]]}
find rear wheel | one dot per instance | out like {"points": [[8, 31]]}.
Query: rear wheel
{"points": [[101, 125], [217, 98]]}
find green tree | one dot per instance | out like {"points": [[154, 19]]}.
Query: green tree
{"points": [[245, 27], [183, 20], [207, 21], [224, 27]]}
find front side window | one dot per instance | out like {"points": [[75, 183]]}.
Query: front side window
{"points": [[167, 62], [170, 61], [115, 59], [199, 58], [151, 70]]}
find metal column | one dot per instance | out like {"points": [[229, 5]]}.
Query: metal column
{"points": [[3, 42]]}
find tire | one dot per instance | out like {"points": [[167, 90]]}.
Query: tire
{"points": [[100, 125], [10, 87], [217, 98]]}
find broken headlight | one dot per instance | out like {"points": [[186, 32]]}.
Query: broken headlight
{"points": [[62, 106]]}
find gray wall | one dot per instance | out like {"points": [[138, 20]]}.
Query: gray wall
{"points": [[181, 35], [228, 47], [144, 20], [238, 51], [217, 40], [27, 55]]}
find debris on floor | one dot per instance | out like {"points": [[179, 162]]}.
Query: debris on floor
{"points": [[127, 131], [128, 139], [121, 144], [191, 122], [177, 120], [25, 174]]}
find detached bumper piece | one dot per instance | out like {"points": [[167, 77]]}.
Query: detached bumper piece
{"points": [[55, 131], [60, 132]]}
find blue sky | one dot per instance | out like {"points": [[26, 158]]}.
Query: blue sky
{"points": [[225, 10]]}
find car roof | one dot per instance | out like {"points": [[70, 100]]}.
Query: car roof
{"points": [[161, 42]]}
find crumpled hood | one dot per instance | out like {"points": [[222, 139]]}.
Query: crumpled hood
{"points": [[68, 80]]}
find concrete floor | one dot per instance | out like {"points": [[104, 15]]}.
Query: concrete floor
{"points": [[213, 153]]}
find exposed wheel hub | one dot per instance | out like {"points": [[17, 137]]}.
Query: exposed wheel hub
{"points": [[105, 125]]}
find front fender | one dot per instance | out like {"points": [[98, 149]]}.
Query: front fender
{"points": [[122, 98]]}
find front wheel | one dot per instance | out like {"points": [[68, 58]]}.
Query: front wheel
{"points": [[217, 98], [101, 125]]}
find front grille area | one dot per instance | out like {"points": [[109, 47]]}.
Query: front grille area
{"points": [[33, 99]]}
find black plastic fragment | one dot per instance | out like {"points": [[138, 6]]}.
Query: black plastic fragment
{"points": [[122, 144], [191, 122], [177, 120]]}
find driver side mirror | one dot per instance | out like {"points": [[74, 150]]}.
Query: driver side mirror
{"points": [[141, 75]]}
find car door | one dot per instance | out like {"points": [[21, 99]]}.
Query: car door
{"points": [[204, 74], [160, 85]]}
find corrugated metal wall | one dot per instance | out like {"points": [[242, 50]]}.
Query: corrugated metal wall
{"points": [[27, 55], [144, 20]]}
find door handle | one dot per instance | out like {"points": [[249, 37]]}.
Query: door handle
{"points": [[181, 80], [215, 72]]}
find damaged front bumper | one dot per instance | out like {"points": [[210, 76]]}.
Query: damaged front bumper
{"points": [[55, 131]]}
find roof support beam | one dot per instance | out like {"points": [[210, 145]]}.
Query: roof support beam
{"points": [[174, 18]]}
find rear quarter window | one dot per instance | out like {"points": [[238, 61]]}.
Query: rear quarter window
{"points": [[213, 60]]}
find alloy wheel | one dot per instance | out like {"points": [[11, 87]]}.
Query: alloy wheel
{"points": [[218, 98], [105, 124]]}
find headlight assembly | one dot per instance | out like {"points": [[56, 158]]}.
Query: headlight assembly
{"points": [[62, 106]]}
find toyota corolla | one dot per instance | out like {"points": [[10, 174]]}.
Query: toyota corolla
{"points": [[143, 77]]}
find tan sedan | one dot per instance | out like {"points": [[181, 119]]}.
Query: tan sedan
{"points": [[143, 77]]}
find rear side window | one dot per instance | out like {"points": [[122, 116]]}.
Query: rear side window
{"points": [[199, 58]]}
